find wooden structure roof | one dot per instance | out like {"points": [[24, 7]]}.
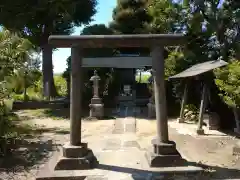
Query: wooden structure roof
{"points": [[199, 69]]}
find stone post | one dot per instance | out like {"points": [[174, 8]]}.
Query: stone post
{"points": [[164, 151], [183, 103], [151, 106], [96, 106], [75, 97], [76, 155], [236, 117], [200, 130]]}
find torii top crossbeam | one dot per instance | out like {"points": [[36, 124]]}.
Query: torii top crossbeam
{"points": [[116, 41]]}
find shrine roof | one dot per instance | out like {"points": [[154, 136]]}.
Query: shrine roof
{"points": [[200, 69], [114, 41]]}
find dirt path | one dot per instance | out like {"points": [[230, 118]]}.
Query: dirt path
{"points": [[212, 151], [48, 135]]}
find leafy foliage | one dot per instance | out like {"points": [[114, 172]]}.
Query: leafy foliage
{"points": [[130, 17], [174, 63], [228, 81], [37, 20], [166, 16], [61, 85], [14, 52]]}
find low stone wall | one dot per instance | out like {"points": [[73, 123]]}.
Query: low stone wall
{"points": [[18, 105]]}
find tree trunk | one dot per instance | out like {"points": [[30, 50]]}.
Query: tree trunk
{"points": [[25, 85], [49, 89], [236, 117]]}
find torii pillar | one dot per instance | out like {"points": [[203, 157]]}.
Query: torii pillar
{"points": [[76, 155]]}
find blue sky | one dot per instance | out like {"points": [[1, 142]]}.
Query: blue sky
{"points": [[103, 16]]}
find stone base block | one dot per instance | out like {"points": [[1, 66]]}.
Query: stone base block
{"points": [[200, 131], [96, 100], [180, 120], [88, 161], [70, 151], [96, 110], [158, 160], [236, 150], [164, 155], [164, 148], [76, 158]]}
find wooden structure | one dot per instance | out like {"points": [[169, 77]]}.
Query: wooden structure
{"points": [[76, 155], [193, 72]]}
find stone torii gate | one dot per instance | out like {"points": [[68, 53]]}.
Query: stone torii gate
{"points": [[76, 154]]}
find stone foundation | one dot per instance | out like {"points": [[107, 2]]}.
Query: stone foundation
{"points": [[200, 131], [76, 158], [164, 155], [96, 108], [180, 120]]}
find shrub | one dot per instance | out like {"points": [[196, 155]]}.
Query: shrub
{"points": [[5, 124], [228, 82], [191, 113], [61, 85]]}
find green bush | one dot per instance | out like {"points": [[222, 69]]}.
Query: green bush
{"points": [[5, 123], [228, 82], [61, 85]]}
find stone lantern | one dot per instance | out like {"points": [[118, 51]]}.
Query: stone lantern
{"points": [[96, 106]]}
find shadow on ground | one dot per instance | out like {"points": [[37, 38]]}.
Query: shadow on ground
{"points": [[26, 154], [210, 172], [231, 133], [27, 147]]}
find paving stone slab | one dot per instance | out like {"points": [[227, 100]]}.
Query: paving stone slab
{"points": [[236, 149], [127, 164]]}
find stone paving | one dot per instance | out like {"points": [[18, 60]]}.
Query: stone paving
{"points": [[121, 157]]}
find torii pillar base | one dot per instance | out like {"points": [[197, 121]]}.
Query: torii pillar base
{"points": [[164, 155], [76, 158]]}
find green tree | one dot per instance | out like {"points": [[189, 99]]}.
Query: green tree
{"points": [[130, 17], [14, 52], [166, 16], [228, 82], [216, 25], [37, 20]]}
